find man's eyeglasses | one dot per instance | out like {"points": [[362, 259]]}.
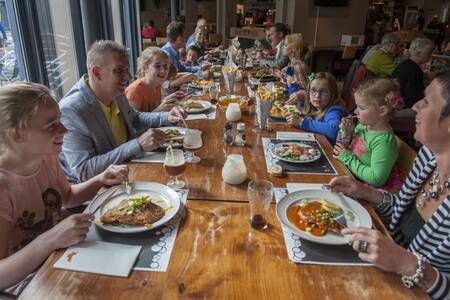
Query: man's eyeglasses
{"points": [[320, 92]]}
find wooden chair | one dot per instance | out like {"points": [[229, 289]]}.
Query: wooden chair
{"points": [[147, 43], [161, 41], [406, 155]]}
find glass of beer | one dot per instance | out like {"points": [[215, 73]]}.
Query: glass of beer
{"points": [[175, 165]]}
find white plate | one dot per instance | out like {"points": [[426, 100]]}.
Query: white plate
{"points": [[182, 130], [160, 194], [206, 105], [280, 145], [178, 142], [361, 216]]}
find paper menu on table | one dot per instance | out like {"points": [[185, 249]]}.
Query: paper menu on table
{"points": [[100, 258], [294, 187], [151, 157], [288, 135]]}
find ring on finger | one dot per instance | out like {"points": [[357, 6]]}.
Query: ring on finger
{"points": [[363, 246]]}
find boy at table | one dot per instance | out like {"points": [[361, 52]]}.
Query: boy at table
{"points": [[102, 127], [176, 40]]}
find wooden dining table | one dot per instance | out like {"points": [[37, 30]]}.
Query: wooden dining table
{"points": [[217, 255]]}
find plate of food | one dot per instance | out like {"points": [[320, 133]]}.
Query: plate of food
{"points": [[201, 83], [149, 206], [279, 111], [295, 152], [175, 136], [227, 99], [263, 75], [195, 106], [310, 214]]}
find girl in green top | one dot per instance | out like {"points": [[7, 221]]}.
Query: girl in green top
{"points": [[372, 152]]}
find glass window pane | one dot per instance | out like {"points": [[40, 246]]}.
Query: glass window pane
{"points": [[9, 64], [55, 24]]}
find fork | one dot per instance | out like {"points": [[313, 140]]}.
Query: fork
{"points": [[128, 188], [340, 218]]}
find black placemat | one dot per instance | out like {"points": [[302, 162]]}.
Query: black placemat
{"points": [[320, 166]]}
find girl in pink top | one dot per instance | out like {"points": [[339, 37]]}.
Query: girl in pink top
{"points": [[33, 188]]}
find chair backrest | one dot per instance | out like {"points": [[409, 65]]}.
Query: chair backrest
{"points": [[349, 78], [360, 75], [406, 155], [349, 52], [161, 41]]}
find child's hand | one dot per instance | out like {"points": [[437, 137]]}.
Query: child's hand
{"points": [[114, 174], [68, 232], [347, 123], [278, 73], [290, 79], [338, 149], [295, 97], [294, 119]]}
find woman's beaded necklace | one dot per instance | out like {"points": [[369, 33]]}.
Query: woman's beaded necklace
{"points": [[436, 188]]}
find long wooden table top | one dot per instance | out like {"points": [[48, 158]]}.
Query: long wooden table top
{"points": [[217, 255], [204, 180]]}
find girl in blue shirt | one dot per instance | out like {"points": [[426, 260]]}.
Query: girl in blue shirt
{"points": [[323, 109]]}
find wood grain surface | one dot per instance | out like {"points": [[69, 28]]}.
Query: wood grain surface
{"points": [[217, 255]]}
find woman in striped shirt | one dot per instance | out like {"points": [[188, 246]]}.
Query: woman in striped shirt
{"points": [[419, 215]]}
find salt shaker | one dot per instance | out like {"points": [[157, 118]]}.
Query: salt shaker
{"points": [[227, 133], [240, 137]]}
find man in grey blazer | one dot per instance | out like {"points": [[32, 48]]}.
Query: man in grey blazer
{"points": [[276, 36], [102, 127]]}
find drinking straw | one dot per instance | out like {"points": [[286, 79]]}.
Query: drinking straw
{"points": [[169, 147], [184, 122]]}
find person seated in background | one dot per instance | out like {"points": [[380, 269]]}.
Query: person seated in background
{"points": [[277, 33], [33, 189], [323, 108], [382, 63], [409, 73], [199, 41], [145, 93], [296, 73], [193, 53], [150, 32], [176, 40], [102, 127], [370, 51], [419, 249], [264, 43], [372, 151], [202, 24]]}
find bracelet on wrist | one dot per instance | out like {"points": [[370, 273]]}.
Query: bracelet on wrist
{"points": [[417, 277]]}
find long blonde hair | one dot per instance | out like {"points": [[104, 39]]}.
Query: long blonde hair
{"points": [[310, 111], [19, 102], [146, 58], [301, 70]]}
